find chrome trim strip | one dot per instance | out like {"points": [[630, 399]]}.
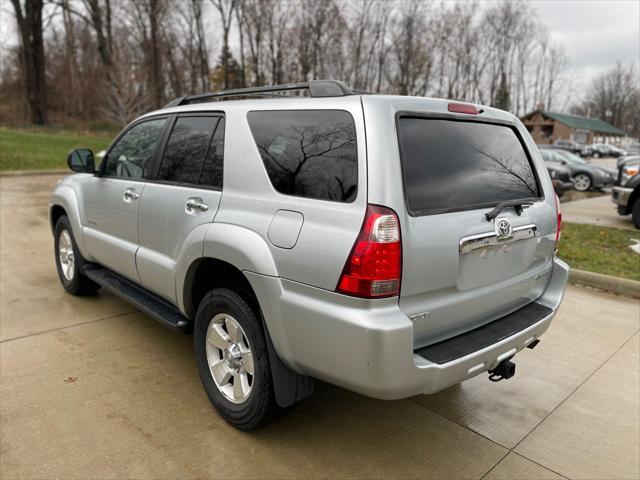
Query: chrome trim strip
{"points": [[490, 239]]}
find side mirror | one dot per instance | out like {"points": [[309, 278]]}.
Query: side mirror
{"points": [[81, 160]]}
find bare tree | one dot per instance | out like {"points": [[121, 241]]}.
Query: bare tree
{"points": [[29, 21], [225, 9], [614, 96]]}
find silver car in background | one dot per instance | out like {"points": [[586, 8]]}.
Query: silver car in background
{"points": [[390, 245]]}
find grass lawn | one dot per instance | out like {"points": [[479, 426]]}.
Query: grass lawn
{"points": [[44, 148], [600, 249]]}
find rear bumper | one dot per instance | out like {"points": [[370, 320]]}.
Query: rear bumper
{"points": [[367, 346]]}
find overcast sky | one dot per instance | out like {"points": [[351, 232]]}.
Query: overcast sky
{"points": [[595, 33]]}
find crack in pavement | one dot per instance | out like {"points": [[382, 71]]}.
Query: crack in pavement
{"points": [[69, 326]]}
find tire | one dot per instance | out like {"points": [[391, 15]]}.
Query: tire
{"points": [[582, 182], [635, 213], [253, 403], [69, 261], [595, 154]]}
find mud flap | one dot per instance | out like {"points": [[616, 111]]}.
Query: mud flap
{"points": [[289, 387]]}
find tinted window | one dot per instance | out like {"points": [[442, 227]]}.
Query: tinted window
{"points": [[308, 153], [186, 148], [132, 156], [452, 165], [212, 170]]}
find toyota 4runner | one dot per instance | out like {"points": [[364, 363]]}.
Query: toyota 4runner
{"points": [[390, 245]]}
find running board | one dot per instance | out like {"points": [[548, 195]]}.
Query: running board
{"points": [[145, 301]]}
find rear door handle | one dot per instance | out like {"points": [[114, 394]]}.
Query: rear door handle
{"points": [[130, 195], [195, 205]]}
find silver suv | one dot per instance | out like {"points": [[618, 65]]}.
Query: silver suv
{"points": [[390, 245]]}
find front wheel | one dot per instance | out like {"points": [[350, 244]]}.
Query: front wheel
{"points": [[69, 261], [582, 182], [596, 155], [233, 361]]}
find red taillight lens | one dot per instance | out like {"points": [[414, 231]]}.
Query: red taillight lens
{"points": [[374, 266], [462, 108], [559, 221]]}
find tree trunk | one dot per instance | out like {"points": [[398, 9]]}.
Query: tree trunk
{"points": [[155, 53], [32, 56], [74, 103]]}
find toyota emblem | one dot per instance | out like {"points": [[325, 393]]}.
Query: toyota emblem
{"points": [[503, 228]]}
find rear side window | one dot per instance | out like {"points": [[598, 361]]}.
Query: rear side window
{"points": [[188, 145], [455, 165], [308, 153]]}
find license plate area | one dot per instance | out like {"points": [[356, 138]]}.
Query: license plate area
{"points": [[485, 259]]}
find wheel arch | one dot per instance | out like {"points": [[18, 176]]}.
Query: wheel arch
{"points": [[207, 273], [63, 202]]}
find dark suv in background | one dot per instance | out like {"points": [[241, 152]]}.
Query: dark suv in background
{"points": [[626, 192]]}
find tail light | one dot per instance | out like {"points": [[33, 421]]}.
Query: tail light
{"points": [[374, 266], [559, 221]]}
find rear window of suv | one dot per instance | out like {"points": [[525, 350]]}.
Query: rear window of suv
{"points": [[451, 165], [308, 153]]}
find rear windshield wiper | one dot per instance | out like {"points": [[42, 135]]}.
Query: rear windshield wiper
{"points": [[516, 204]]}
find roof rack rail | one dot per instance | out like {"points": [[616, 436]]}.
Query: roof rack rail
{"points": [[316, 88]]}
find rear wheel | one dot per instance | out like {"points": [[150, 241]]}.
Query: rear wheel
{"points": [[69, 261], [635, 213], [596, 155], [233, 361], [582, 182]]}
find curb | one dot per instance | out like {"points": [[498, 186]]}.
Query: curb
{"points": [[617, 285], [21, 173]]}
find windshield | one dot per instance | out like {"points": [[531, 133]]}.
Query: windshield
{"points": [[571, 158], [550, 156]]}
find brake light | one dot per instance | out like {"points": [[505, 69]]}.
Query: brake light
{"points": [[559, 221], [374, 265], [462, 108]]}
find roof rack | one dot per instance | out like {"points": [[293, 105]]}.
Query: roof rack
{"points": [[316, 88]]}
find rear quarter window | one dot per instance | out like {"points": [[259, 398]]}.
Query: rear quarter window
{"points": [[451, 165], [310, 153]]}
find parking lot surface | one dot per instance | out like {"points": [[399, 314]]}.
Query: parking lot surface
{"points": [[92, 389], [597, 210]]}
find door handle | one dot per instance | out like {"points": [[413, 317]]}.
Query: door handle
{"points": [[130, 195], [195, 205]]}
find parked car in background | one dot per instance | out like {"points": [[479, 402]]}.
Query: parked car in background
{"points": [[604, 150], [599, 150], [560, 178], [585, 176], [616, 152], [610, 173], [634, 149], [571, 146], [626, 192]]}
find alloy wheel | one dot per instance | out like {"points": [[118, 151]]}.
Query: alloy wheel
{"points": [[582, 182], [230, 358], [66, 256]]}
